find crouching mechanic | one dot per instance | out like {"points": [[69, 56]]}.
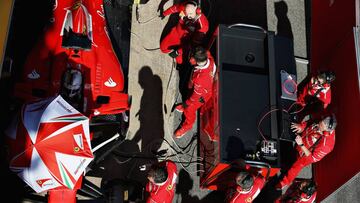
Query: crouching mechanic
{"points": [[162, 181], [192, 26], [318, 87], [202, 85], [247, 188], [315, 142], [301, 191]]}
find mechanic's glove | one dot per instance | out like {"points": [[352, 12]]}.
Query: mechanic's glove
{"points": [[191, 28], [161, 15], [174, 54]]}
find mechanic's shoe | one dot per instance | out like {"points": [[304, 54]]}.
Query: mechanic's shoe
{"points": [[174, 54], [179, 108], [180, 133]]}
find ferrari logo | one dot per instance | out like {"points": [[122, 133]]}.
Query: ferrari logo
{"points": [[41, 182], [76, 149], [84, 30], [76, 5], [169, 187], [249, 199]]}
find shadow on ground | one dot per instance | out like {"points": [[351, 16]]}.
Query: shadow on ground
{"points": [[184, 187]]}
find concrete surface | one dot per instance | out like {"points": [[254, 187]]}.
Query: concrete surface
{"points": [[287, 18], [347, 193]]}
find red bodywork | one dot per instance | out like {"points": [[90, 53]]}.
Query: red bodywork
{"points": [[49, 65]]}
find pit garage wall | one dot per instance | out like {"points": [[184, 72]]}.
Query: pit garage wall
{"points": [[332, 47]]}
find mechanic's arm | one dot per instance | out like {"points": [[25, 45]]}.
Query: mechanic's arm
{"points": [[173, 9], [320, 152], [204, 24], [299, 142]]}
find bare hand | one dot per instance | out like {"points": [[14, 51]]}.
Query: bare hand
{"points": [[296, 128], [298, 140]]}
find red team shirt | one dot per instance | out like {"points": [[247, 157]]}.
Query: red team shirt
{"points": [[202, 80], [248, 196], [163, 193], [324, 146], [311, 89]]}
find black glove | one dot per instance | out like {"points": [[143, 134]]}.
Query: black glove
{"points": [[174, 54], [161, 15], [191, 28]]}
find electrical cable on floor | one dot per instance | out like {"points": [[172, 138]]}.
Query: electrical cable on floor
{"points": [[140, 39], [139, 154], [173, 66], [184, 153]]}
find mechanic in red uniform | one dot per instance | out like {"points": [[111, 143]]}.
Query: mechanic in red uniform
{"points": [[247, 188], [315, 142], [318, 87], [192, 26], [162, 181], [301, 191], [201, 82]]}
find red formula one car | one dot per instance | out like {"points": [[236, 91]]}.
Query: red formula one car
{"points": [[75, 58]]}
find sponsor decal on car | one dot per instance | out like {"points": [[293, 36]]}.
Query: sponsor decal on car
{"points": [[110, 83], [33, 75]]}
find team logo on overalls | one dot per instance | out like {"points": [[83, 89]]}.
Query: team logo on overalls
{"points": [[76, 5], [248, 199], [76, 149], [169, 187]]}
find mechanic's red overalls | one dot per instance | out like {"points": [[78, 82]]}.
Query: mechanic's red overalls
{"points": [[182, 31], [317, 149], [163, 193], [310, 89], [202, 80], [240, 196], [294, 195]]}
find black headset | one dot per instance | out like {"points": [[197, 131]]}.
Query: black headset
{"points": [[309, 189], [332, 122], [329, 76], [192, 2]]}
